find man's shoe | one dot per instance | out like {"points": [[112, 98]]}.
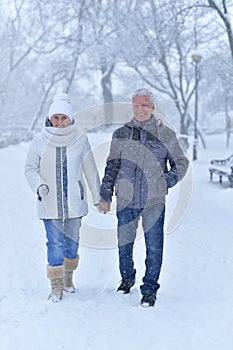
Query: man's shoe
{"points": [[125, 287], [148, 300]]}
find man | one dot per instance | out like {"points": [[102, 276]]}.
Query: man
{"points": [[137, 167]]}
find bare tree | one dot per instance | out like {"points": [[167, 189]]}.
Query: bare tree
{"points": [[161, 58], [222, 10], [103, 48], [46, 45], [62, 49]]}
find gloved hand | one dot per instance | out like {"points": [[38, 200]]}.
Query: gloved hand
{"points": [[42, 191]]}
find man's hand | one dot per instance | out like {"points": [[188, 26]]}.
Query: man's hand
{"points": [[104, 207]]}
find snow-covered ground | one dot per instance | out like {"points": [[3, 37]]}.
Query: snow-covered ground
{"points": [[194, 307]]}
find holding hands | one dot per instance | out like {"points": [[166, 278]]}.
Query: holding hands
{"points": [[104, 207]]}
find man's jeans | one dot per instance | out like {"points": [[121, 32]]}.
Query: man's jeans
{"points": [[62, 239], [153, 224]]}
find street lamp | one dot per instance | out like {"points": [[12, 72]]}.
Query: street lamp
{"points": [[196, 59]]}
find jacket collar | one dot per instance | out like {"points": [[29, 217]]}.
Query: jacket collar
{"points": [[148, 126]]}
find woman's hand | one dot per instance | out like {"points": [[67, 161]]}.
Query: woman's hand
{"points": [[42, 191], [104, 207]]}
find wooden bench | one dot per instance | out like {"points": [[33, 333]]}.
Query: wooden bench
{"points": [[222, 168]]}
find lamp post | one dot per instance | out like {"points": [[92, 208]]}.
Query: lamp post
{"points": [[196, 59]]}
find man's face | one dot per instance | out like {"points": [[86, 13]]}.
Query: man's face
{"points": [[142, 108]]}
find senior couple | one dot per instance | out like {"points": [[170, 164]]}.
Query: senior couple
{"points": [[145, 160]]}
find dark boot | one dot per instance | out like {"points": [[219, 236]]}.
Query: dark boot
{"points": [[125, 286], [148, 300]]}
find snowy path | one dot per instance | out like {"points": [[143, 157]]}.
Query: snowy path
{"points": [[194, 307]]}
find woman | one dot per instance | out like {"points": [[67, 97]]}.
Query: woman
{"points": [[57, 159]]}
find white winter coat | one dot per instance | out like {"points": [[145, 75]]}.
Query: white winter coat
{"points": [[58, 157]]}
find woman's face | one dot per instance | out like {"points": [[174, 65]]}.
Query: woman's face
{"points": [[60, 121]]}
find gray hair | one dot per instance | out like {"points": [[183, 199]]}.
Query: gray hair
{"points": [[144, 92]]}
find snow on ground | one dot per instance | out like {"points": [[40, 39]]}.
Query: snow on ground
{"points": [[194, 306]]}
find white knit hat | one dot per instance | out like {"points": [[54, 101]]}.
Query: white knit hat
{"points": [[61, 105]]}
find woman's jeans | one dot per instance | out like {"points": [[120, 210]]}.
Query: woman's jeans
{"points": [[153, 227], [62, 239]]}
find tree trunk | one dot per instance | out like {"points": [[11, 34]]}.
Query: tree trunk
{"points": [[106, 83]]}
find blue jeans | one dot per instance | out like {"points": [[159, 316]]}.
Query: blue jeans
{"points": [[153, 227], [62, 239]]}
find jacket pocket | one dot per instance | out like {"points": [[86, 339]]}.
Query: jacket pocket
{"points": [[81, 189], [162, 185]]}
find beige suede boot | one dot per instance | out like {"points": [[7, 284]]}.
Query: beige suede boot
{"points": [[55, 274], [70, 265]]}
